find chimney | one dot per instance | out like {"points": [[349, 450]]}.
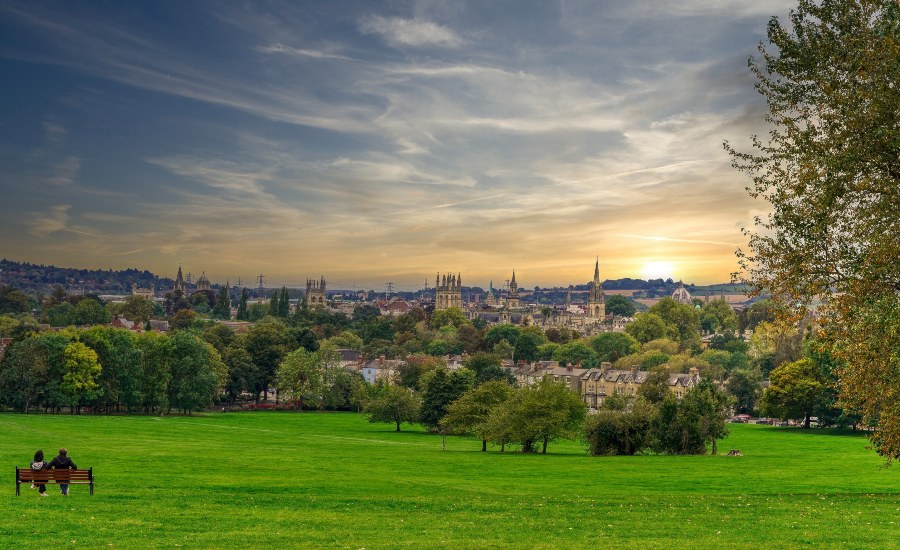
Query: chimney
{"points": [[695, 372], [569, 366], [381, 360]]}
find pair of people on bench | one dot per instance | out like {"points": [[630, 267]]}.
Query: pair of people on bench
{"points": [[61, 462]]}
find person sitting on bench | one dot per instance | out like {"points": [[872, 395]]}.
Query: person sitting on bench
{"points": [[60, 462]]}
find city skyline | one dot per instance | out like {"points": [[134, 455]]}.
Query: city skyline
{"points": [[375, 142]]}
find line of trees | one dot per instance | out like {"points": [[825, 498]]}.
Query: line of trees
{"points": [[532, 417]]}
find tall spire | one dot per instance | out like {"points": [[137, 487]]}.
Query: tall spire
{"points": [[513, 277], [597, 270]]}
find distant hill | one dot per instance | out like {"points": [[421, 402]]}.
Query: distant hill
{"points": [[34, 277]]}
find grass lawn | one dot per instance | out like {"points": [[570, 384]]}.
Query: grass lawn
{"points": [[277, 480]]}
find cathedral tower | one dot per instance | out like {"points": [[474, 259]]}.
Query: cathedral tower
{"points": [[179, 281], [315, 292], [447, 291], [512, 300], [596, 298]]}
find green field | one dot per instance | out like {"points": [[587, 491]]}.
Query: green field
{"points": [[256, 480]]}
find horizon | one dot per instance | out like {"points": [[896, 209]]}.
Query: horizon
{"points": [[500, 286], [375, 142]]}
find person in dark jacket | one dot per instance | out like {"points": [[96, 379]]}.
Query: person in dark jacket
{"points": [[39, 464], [61, 462]]}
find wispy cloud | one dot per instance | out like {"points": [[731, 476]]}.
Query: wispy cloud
{"points": [[300, 52], [597, 124], [65, 172], [410, 32]]}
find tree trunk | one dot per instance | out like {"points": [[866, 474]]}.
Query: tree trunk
{"points": [[398, 426], [806, 421], [502, 446], [544, 449], [714, 448], [483, 445]]}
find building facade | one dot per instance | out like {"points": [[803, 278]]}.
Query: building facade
{"points": [[316, 292], [447, 291]]}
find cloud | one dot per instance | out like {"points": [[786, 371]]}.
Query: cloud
{"points": [[53, 220], [410, 32], [65, 172], [300, 52], [53, 131]]}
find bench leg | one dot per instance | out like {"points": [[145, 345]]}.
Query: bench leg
{"points": [[17, 488]]}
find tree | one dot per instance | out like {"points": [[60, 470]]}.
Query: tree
{"points": [[155, 371], [498, 333], [274, 307], [450, 316], [759, 311], [24, 374], [526, 348], [440, 388], [416, 366], [241, 371], [242, 313], [624, 431], [301, 375], [183, 319], [13, 300], [198, 373], [468, 414], [620, 305], [487, 367], [90, 312], [256, 311], [268, 342], [395, 405], [744, 386], [796, 389], [717, 316], [175, 301], [577, 352], [685, 426], [59, 315], [284, 303], [345, 340], [830, 170], [610, 346], [683, 321], [137, 308], [118, 353], [503, 349], [82, 370], [540, 413], [647, 326], [656, 387], [222, 309]]}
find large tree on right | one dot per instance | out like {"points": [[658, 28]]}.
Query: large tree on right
{"points": [[830, 169]]}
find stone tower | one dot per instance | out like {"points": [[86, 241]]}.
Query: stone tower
{"points": [[447, 291], [179, 281], [512, 300], [315, 292], [596, 298]]}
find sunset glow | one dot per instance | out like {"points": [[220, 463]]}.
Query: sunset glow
{"points": [[372, 142]]}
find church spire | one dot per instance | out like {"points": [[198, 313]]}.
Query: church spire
{"points": [[597, 270]]}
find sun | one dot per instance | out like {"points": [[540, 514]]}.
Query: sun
{"points": [[657, 270]]}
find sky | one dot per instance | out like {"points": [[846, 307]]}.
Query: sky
{"points": [[370, 142]]}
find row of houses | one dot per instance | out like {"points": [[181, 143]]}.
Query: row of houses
{"points": [[594, 385]]}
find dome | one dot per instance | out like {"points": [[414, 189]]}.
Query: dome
{"points": [[681, 295]]}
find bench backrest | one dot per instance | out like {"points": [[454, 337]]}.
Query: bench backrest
{"points": [[59, 476]]}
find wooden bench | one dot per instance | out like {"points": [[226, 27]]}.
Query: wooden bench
{"points": [[40, 477]]}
